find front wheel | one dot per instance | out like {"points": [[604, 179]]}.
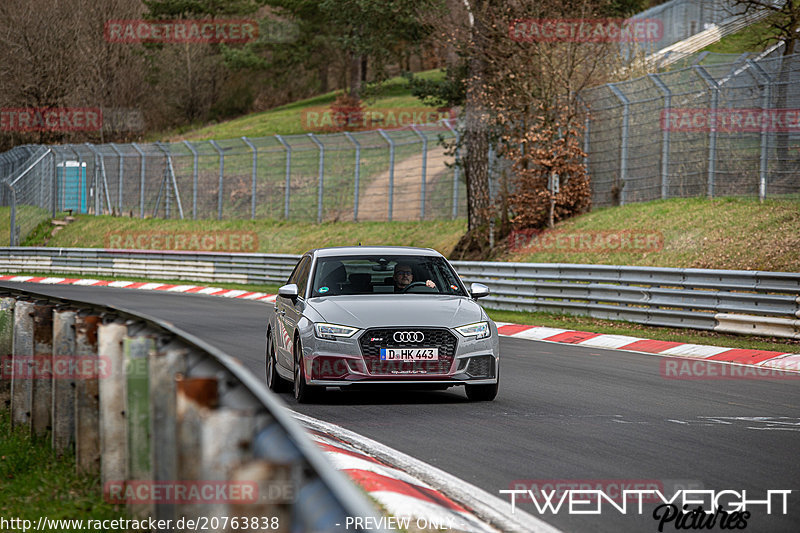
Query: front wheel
{"points": [[303, 392], [275, 382], [483, 393]]}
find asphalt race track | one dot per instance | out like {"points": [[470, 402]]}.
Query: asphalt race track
{"points": [[563, 413]]}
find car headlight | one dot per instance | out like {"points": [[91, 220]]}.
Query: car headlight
{"points": [[332, 331], [479, 330]]}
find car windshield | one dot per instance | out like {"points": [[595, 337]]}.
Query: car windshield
{"points": [[381, 274]]}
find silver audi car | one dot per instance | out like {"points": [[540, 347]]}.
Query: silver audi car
{"points": [[368, 316]]}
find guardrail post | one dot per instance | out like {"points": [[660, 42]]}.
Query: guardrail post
{"points": [[712, 133], [137, 351], [165, 365], [288, 177], [390, 141], [64, 388], [424, 170], [357, 172], [456, 167], [113, 412], [253, 186], [221, 177], [664, 134], [194, 178], [22, 365], [624, 135], [45, 370], [87, 396], [321, 173], [6, 347], [141, 178], [765, 80], [196, 396]]}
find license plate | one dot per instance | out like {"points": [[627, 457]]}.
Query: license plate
{"points": [[409, 354]]}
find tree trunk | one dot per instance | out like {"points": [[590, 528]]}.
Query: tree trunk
{"points": [[355, 75], [476, 136]]}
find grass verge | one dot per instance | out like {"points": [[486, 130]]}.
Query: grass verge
{"points": [[34, 482]]}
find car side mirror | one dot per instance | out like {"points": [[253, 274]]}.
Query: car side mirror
{"points": [[289, 291], [478, 290]]}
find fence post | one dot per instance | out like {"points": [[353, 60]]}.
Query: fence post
{"points": [[13, 216], [288, 186], [391, 170], [6, 347], [255, 167], [22, 361], [44, 373], [664, 134], [194, 178], [764, 79], [455, 167], [587, 122], [97, 173], [221, 175], [141, 178], [424, 170], [54, 188], [113, 412], [120, 170], [321, 174], [623, 150], [87, 396], [357, 172], [64, 388], [171, 169], [712, 133]]}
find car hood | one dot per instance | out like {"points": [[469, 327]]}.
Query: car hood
{"points": [[379, 310]]}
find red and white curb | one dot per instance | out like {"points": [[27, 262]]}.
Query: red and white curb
{"points": [[146, 286], [394, 480], [760, 358], [741, 356]]}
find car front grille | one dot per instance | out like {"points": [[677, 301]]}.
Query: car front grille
{"points": [[374, 339], [481, 366]]}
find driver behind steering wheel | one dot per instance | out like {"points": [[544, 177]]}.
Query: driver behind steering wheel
{"points": [[404, 276]]}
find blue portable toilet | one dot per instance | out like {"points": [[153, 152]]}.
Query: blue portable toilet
{"points": [[71, 183]]}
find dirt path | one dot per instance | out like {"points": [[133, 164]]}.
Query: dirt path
{"points": [[373, 201]]}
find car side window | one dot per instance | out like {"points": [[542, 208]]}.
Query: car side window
{"points": [[302, 276]]}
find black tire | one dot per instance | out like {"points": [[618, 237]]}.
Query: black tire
{"points": [[483, 393], [275, 382], [303, 392]]}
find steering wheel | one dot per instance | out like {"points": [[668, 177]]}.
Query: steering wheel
{"points": [[413, 284]]}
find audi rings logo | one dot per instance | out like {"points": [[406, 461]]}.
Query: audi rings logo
{"points": [[408, 336]]}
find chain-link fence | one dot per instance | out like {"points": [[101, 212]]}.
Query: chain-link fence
{"points": [[680, 19], [724, 125], [402, 174]]}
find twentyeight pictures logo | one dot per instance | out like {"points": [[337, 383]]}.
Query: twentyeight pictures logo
{"points": [[181, 31], [586, 30]]}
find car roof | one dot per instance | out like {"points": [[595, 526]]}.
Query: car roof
{"points": [[373, 250]]}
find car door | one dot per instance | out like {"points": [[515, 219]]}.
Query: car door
{"points": [[288, 315]]}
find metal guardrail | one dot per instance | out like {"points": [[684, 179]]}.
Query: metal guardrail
{"points": [[676, 297], [155, 410]]}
